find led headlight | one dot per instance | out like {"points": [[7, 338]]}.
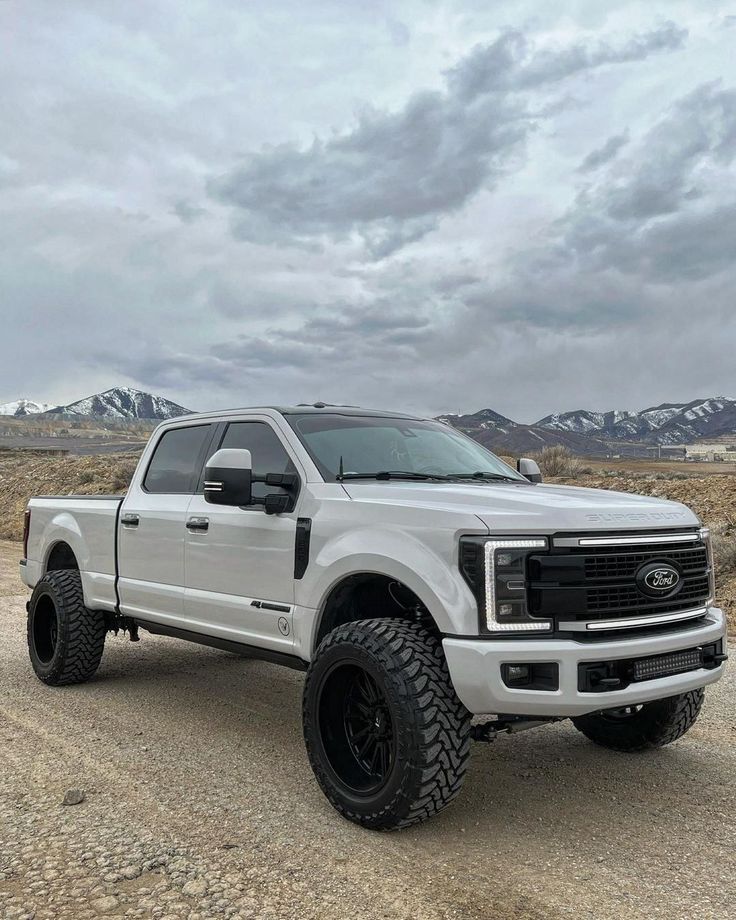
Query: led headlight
{"points": [[706, 538], [496, 570]]}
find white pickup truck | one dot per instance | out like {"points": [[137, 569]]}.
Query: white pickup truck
{"points": [[417, 579]]}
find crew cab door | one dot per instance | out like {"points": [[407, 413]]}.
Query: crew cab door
{"points": [[152, 526], [240, 561]]}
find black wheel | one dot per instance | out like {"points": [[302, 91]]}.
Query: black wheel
{"points": [[637, 728], [65, 640], [386, 735]]}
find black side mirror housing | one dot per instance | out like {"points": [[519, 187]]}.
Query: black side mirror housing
{"points": [[228, 478], [529, 469]]}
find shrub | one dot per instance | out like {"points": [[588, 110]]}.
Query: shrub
{"points": [[558, 461], [123, 474]]}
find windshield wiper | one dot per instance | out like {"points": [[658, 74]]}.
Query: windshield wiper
{"points": [[394, 474], [483, 476]]}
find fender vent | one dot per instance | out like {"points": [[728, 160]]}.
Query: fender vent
{"points": [[301, 547]]}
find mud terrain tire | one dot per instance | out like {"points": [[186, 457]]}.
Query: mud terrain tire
{"points": [[65, 639], [386, 735]]}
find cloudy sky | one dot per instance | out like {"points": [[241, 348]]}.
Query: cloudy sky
{"points": [[425, 205]]}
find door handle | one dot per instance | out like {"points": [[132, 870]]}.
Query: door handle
{"points": [[198, 524], [130, 520]]}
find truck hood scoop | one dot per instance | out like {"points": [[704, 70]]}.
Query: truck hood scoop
{"points": [[511, 507]]}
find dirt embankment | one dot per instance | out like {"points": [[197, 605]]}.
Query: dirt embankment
{"points": [[25, 474]]}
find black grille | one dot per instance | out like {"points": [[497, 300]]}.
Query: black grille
{"points": [[588, 583], [618, 565], [622, 597]]}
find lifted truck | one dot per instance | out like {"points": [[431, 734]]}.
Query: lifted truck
{"points": [[416, 578]]}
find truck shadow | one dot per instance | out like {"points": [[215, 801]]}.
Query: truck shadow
{"points": [[549, 784]]}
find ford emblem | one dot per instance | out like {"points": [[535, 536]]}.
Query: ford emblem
{"points": [[658, 579]]}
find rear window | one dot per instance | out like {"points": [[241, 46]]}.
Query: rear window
{"points": [[177, 460]]}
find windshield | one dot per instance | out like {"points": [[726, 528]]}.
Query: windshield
{"points": [[371, 445]]}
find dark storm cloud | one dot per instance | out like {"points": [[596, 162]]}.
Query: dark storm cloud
{"points": [[395, 173]]}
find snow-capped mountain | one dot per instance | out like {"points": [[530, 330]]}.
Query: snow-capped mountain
{"points": [[669, 423], [587, 432], [121, 403], [22, 407]]}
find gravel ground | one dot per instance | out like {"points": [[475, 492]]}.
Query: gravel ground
{"points": [[199, 802]]}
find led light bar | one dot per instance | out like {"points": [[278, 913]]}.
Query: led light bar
{"points": [[489, 549]]}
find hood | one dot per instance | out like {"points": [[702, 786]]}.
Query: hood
{"points": [[523, 508]]}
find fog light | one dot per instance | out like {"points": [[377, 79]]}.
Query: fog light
{"points": [[517, 672], [536, 675]]}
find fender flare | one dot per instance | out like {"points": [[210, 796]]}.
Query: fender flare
{"points": [[396, 555]]}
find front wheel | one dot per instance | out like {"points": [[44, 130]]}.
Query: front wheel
{"points": [[637, 728], [386, 735], [65, 639]]}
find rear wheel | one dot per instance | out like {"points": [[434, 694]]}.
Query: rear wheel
{"points": [[386, 735], [65, 639], [637, 728]]}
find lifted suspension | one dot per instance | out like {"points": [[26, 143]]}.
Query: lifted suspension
{"points": [[115, 622], [489, 731]]}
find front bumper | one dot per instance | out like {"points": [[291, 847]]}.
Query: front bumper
{"points": [[475, 669]]}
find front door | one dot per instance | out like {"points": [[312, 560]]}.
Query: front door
{"points": [[152, 528], [240, 561]]}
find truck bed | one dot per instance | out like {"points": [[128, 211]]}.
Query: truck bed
{"points": [[84, 524]]}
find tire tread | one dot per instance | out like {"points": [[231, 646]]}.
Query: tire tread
{"points": [[81, 631], [413, 659]]}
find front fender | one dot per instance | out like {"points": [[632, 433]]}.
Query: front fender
{"points": [[434, 579]]}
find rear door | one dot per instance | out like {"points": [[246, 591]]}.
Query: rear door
{"points": [[152, 528], [240, 569]]}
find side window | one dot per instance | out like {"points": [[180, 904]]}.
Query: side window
{"points": [[267, 452], [175, 465]]}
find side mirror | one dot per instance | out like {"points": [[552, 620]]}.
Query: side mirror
{"points": [[529, 469], [227, 477]]}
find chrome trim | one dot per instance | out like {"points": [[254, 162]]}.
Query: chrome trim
{"points": [[631, 540], [632, 622]]}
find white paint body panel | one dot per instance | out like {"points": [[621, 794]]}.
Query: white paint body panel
{"points": [[87, 525], [206, 582]]}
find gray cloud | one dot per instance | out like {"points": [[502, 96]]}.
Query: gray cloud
{"points": [[444, 250], [394, 174], [666, 210], [511, 63], [604, 154]]}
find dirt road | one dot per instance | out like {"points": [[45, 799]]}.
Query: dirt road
{"points": [[200, 803]]}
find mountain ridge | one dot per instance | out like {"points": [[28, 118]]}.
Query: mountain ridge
{"points": [[115, 404], [588, 431]]}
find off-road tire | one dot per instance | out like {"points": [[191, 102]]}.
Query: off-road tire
{"points": [[431, 727], [75, 654], [652, 726]]}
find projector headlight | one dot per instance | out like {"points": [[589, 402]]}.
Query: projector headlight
{"points": [[495, 568]]}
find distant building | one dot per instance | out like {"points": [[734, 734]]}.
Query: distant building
{"points": [[714, 451]]}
